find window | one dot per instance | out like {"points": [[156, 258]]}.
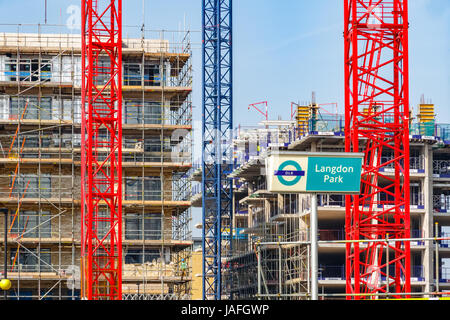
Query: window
{"points": [[145, 226], [103, 70], [28, 69], [62, 109], [416, 194], [153, 147], [30, 260], [152, 75], [148, 188], [102, 225], [32, 142], [73, 294], [32, 224], [138, 112], [30, 107], [133, 227], [152, 226], [132, 74], [32, 186], [140, 256]]}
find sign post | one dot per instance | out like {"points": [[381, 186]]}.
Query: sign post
{"points": [[314, 249], [314, 173]]}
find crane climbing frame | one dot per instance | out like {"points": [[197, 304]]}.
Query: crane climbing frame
{"points": [[377, 121], [101, 156]]}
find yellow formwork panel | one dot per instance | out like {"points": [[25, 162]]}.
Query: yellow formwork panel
{"points": [[303, 116], [426, 113]]}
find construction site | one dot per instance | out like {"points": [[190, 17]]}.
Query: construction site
{"points": [[98, 177], [41, 162]]}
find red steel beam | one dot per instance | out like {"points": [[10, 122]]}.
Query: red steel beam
{"points": [[101, 146], [377, 123]]}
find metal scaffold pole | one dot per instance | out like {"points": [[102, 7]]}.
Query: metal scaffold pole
{"points": [[5, 266], [314, 249]]}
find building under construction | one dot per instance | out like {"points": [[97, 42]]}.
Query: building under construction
{"points": [[40, 150], [96, 170], [271, 249]]}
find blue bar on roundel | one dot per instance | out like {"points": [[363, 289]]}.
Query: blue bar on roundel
{"points": [[290, 173]]}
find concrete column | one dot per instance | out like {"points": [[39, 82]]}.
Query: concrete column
{"points": [[427, 225]]}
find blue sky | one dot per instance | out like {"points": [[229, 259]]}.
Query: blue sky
{"points": [[283, 50]]}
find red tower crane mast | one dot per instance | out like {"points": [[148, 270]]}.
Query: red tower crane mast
{"points": [[377, 123], [101, 150]]}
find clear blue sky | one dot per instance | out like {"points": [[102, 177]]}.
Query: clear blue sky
{"points": [[283, 50]]}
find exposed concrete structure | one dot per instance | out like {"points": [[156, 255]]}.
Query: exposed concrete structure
{"points": [[271, 230], [40, 98]]}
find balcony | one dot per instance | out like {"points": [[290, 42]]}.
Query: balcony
{"points": [[416, 164], [325, 200], [136, 113], [339, 234], [441, 168], [337, 272], [338, 201], [330, 272], [444, 277], [444, 243], [441, 203]]}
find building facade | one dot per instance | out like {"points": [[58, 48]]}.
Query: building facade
{"points": [[271, 255]]}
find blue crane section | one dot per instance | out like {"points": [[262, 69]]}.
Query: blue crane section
{"points": [[217, 154]]}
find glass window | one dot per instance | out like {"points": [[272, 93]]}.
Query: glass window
{"points": [[32, 186], [28, 69], [151, 191], [140, 256], [133, 112], [138, 112], [102, 225], [416, 194], [152, 75], [152, 226], [103, 70], [31, 142], [30, 260], [133, 227], [132, 74], [30, 108], [31, 224], [133, 189], [151, 255], [133, 256], [143, 226], [152, 187]]}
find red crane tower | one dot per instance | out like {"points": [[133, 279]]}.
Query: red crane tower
{"points": [[377, 122], [101, 150]]}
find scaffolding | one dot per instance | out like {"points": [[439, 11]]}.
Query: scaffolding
{"points": [[271, 231], [40, 158], [270, 239]]}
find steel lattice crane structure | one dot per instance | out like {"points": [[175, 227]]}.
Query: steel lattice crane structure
{"points": [[217, 155], [377, 122], [101, 150]]}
